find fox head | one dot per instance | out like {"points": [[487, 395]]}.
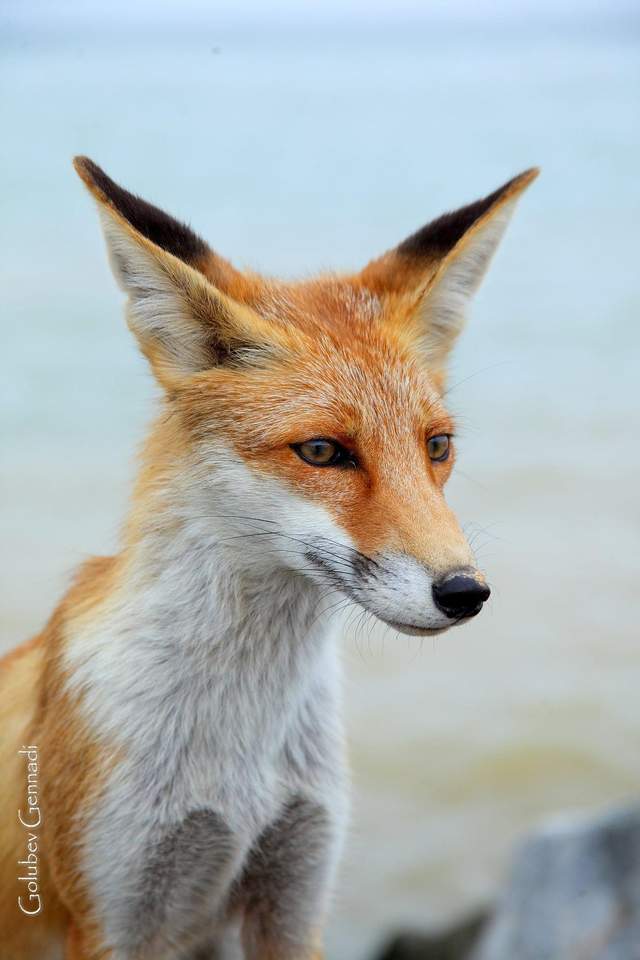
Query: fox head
{"points": [[313, 425]]}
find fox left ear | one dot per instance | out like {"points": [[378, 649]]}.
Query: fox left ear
{"points": [[440, 267]]}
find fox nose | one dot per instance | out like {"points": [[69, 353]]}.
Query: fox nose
{"points": [[459, 595]]}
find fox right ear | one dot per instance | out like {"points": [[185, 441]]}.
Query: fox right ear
{"points": [[183, 323], [437, 270]]}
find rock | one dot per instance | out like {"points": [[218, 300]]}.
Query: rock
{"points": [[573, 894], [454, 943]]}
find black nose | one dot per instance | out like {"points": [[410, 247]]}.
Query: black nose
{"points": [[460, 595]]}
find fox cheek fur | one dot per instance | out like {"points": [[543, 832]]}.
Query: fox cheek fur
{"points": [[185, 695]]}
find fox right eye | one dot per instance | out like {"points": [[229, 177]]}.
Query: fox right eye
{"points": [[320, 452]]}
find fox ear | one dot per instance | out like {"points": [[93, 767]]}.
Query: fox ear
{"points": [[441, 266], [183, 323]]}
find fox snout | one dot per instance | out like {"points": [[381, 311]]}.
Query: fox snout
{"points": [[401, 589], [423, 576], [412, 597]]}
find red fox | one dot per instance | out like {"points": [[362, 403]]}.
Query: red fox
{"points": [[172, 750]]}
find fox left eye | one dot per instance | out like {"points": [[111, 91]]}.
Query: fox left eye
{"points": [[438, 448], [320, 452]]}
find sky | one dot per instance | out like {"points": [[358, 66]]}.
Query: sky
{"points": [[160, 12]]}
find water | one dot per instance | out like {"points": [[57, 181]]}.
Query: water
{"points": [[293, 150]]}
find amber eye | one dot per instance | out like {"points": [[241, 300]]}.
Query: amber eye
{"points": [[320, 452], [438, 447]]}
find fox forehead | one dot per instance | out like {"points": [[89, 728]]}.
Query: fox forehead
{"points": [[340, 304], [350, 380]]}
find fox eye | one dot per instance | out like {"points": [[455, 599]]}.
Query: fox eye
{"points": [[320, 452], [438, 447]]}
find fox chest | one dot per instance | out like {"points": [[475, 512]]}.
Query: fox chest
{"points": [[210, 749], [173, 832]]}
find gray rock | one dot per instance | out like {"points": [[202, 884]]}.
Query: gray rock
{"points": [[574, 894], [454, 943]]}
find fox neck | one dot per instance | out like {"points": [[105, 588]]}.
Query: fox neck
{"points": [[214, 601], [198, 564], [199, 628]]}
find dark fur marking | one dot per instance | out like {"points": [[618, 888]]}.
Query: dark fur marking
{"points": [[283, 879], [174, 237], [184, 878], [440, 236], [205, 951], [363, 566]]}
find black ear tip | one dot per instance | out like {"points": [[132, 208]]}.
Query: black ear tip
{"points": [[82, 164], [166, 232], [89, 172], [526, 177]]}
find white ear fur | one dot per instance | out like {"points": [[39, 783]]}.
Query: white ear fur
{"points": [[161, 292], [441, 312], [183, 323]]}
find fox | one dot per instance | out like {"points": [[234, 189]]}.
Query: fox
{"points": [[173, 755]]}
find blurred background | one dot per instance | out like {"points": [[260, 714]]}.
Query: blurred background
{"points": [[298, 136]]}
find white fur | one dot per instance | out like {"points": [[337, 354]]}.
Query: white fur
{"points": [[214, 672], [443, 311], [156, 310]]}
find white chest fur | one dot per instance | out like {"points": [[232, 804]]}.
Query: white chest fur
{"points": [[220, 692]]}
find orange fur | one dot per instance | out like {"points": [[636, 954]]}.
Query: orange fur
{"points": [[36, 708]]}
